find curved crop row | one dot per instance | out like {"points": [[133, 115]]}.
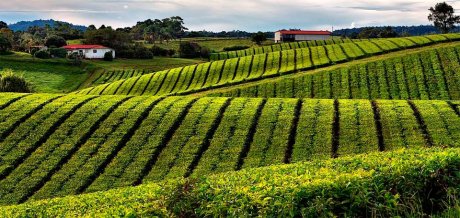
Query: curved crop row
{"points": [[431, 74], [375, 184], [278, 47], [370, 46], [77, 144], [115, 75], [222, 73]]}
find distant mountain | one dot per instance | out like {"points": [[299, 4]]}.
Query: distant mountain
{"points": [[411, 30], [24, 25]]}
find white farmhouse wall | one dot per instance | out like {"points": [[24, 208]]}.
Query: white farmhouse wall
{"points": [[277, 37], [97, 53], [311, 37]]}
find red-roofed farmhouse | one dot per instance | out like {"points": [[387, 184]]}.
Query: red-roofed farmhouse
{"points": [[89, 51], [301, 35]]}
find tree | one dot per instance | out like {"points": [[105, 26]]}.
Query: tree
{"points": [[3, 25], [259, 37], [91, 27], [5, 44], [55, 41], [443, 17]]}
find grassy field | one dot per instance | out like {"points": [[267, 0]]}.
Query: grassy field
{"points": [[51, 76], [214, 44], [229, 72], [60, 76]]}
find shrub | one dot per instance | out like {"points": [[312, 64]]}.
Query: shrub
{"points": [[189, 50], [141, 52], [236, 48], [158, 51], [108, 56], [42, 54], [58, 52], [9, 82]]}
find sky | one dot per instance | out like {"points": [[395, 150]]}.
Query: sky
{"points": [[226, 15]]}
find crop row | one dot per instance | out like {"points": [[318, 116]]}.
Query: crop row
{"points": [[115, 75], [370, 46], [376, 184], [431, 74], [278, 47], [77, 144], [238, 70]]}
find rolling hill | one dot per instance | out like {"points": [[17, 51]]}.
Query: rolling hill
{"points": [[58, 145], [431, 73], [357, 129], [224, 73]]}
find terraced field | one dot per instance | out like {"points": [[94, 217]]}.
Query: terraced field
{"points": [[430, 74], [83, 143], [234, 71]]}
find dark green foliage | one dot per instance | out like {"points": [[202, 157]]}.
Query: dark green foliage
{"points": [[58, 52], [55, 41], [236, 48], [159, 51], [42, 54], [258, 38], [9, 82], [189, 50], [5, 44], [108, 56], [443, 16]]}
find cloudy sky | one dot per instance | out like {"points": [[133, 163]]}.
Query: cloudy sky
{"points": [[216, 15]]}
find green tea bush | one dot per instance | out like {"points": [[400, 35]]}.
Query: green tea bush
{"points": [[9, 82], [402, 183]]}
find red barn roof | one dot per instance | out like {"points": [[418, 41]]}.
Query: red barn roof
{"points": [[75, 47], [304, 32]]}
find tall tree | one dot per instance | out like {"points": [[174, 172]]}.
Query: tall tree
{"points": [[3, 25], [443, 16], [259, 37]]}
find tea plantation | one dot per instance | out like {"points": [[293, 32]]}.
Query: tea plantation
{"points": [[367, 128]]}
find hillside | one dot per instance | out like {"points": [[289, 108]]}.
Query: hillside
{"points": [[343, 187], [367, 46], [230, 72], [24, 25], [430, 73], [59, 145]]}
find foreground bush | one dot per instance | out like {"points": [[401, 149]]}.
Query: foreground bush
{"points": [[400, 183], [9, 82]]}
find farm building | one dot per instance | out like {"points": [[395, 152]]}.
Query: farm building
{"points": [[89, 51], [301, 35]]}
